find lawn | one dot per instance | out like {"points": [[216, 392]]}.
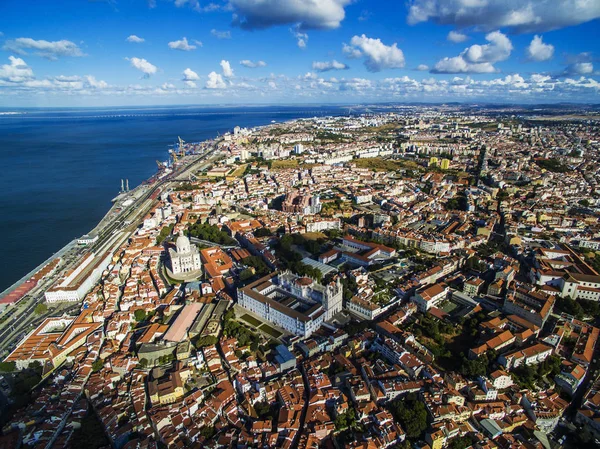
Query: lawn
{"points": [[314, 235], [379, 164], [239, 171], [269, 330], [251, 320], [284, 163], [448, 306]]}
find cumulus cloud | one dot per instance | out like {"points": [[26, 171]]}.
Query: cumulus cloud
{"points": [[519, 15], [377, 55], [143, 66], [538, 51], [580, 68], [194, 4], [456, 37], [422, 67], [328, 65], [510, 88], [94, 83], [215, 81], [301, 37], [307, 14], [48, 49], [182, 45], [17, 76], [227, 70], [189, 77], [135, 39], [15, 72], [478, 58], [252, 64], [221, 34]]}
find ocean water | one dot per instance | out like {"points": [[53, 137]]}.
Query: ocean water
{"points": [[60, 168]]}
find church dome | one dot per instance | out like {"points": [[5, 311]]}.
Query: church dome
{"points": [[183, 244]]}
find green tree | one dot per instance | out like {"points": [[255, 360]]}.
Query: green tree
{"points": [[206, 340], [97, 365], [460, 442], [139, 315], [7, 367], [164, 233], [205, 231], [411, 414], [41, 308], [263, 232], [246, 274], [208, 432]]}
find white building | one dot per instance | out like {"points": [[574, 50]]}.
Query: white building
{"points": [[186, 258], [531, 355], [323, 225], [297, 304], [80, 280], [430, 296]]}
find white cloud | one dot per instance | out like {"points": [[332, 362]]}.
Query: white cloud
{"points": [[47, 49], [512, 88], [328, 65], [18, 77], [520, 15], [301, 38], [135, 39], [351, 52], [422, 67], [221, 34], [378, 56], [194, 4], [307, 14], [538, 51], [478, 58], [252, 64], [457, 64], [182, 45], [537, 78], [189, 77], [580, 68], [15, 72], [227, 70], [198, 43], [94, 83], [456, 37], [143, 66], [215, 81], [364, 15]]}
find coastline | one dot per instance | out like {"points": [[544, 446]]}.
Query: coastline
{"points": [[72, 172], [73, 243]]}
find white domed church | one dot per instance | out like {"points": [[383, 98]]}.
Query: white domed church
{"points": [[186, 258]]}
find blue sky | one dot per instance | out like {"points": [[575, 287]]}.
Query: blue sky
{"points": [[128, 52]]}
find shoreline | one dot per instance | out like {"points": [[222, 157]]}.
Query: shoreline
{"points": [[73, 243]]}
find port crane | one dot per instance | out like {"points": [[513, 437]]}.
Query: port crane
{"points": [[181, 147]]}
